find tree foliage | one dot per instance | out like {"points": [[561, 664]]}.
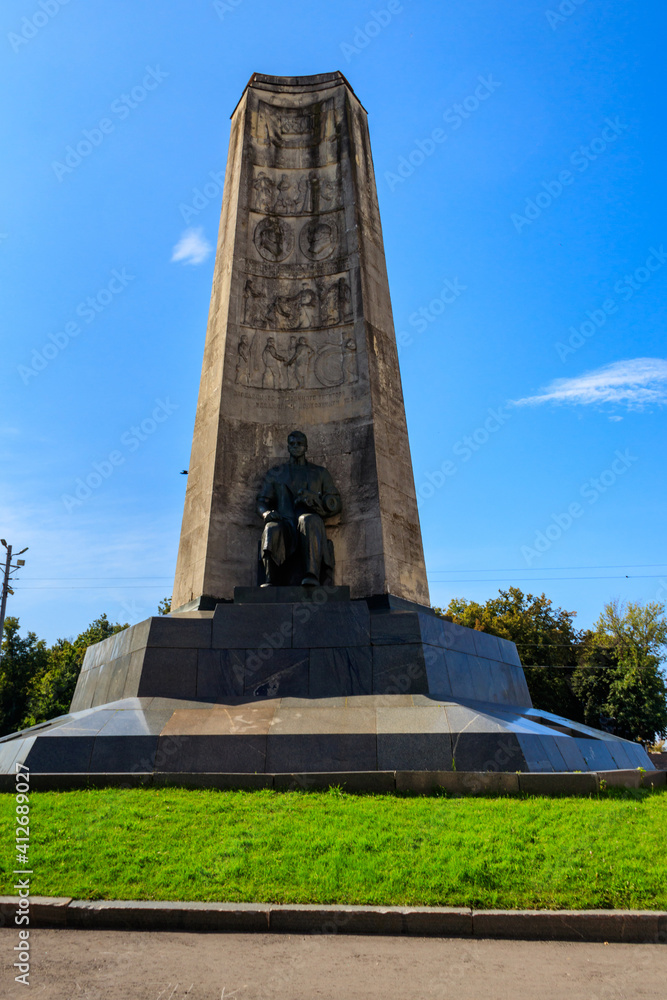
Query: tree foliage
{"points": [[23, 659], [620, 683], [546, 639], [37, 683]]}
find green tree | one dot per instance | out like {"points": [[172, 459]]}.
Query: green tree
{"points": [[164, 607], [620, 683], [547, 641], [23, 658], [52, 689]]}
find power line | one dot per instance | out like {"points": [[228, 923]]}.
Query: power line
{"points": [[535, 579], [553, 579], [546, 569], [477, 569]]}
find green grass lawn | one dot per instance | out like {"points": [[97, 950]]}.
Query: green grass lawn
{"points": [[332, 847]]}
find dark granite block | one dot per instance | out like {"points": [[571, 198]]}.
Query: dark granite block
{"points": [[482, 680], [136, 722], [414, 752], [621, 757], [119, 669], [596, 755], [487, 752], [248, 626], [220, 672], [486, 645], [123, 753], [290, 595], [180, 633], [343, 670], [60, 753], [456, 637], [138, 634], [169, 673], [501, 690], [521, 687], [85, 689], [23, 748], [322, 752], [572, 755], [435, 659], [117, 645], [474, 718], [82, 724], [432, 629], [388, 602], [225, 754], [103, 681], [282, 673], [460, 674], [508, 652], [134, 670], [399, 670], [391, 627], [536, 756], [637, 754], [335, 624], [556, 758]]}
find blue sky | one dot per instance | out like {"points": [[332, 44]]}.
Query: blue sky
{"points": [[519, 151]]}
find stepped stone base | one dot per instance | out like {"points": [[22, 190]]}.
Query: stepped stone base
{"points": [[318, 684]]}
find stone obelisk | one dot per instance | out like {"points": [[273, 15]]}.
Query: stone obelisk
{"points": [[300, 336]]}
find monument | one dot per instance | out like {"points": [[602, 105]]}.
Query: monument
{"points": [[300, 335], [301, 639]]}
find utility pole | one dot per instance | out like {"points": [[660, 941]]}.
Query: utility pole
{"points": [[6, 589]]}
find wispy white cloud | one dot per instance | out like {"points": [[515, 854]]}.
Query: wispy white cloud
{"points": [[192, 248], [633, 384]]}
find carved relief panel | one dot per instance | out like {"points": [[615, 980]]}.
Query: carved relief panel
{"points": [[295, 192], [307, 361]]}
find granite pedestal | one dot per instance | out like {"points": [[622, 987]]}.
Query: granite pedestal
{"points": [[320, 683]]}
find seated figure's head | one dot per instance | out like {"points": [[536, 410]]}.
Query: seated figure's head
{"points": [[297, 444]]}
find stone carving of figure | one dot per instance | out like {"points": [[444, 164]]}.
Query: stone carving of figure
{"points": [[291, 371], [318, 239], [307, 306], [283, 202], [294, 500], [272, 361], [243, 362], [273, 239], [338, 302], [308, 188], [252, 300], [350, 370], [264, 188], [301, 360]]}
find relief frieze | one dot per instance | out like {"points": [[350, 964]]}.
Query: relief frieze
{"points": [[294, 128], [279, 304], [296, 192], [310, 361]]}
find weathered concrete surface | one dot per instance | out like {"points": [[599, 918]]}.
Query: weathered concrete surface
{"points": [[300, 336], [117, 965]]}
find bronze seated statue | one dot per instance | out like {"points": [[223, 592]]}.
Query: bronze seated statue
{"points": [[294, 500]]}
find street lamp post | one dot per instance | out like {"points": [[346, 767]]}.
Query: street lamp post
{"points": [[6, 589]]}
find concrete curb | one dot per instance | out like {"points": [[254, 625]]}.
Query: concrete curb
{"points": [[413, 782], [629, 926]]}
